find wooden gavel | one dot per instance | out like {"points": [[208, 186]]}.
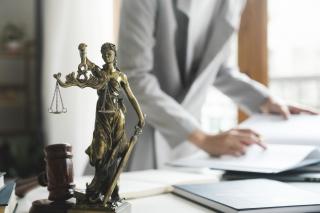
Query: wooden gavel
{"points": [[58, 176]]}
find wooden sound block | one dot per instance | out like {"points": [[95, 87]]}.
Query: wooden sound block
{"points": [[47, 206]]}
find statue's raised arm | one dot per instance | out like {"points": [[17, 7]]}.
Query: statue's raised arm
{"points": [[82, 78]]}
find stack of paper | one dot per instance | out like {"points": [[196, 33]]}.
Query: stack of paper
{"points": [[276, 158], [298, 129]]}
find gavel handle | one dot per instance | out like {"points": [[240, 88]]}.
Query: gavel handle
{"points": [[23, 186]]}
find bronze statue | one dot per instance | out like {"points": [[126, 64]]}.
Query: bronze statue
{"points": [[110, 148]]}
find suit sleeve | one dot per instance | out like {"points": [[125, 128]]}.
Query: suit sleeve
{"points": [[247, 93], [136, 43]]}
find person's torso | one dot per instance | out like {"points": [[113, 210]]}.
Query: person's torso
{"points": [[201, 17]]}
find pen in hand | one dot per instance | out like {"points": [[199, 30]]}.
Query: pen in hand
{"points": [[255, 138], [261, 144]]}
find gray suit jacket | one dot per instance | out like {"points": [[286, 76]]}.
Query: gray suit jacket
{"points": [[147, 55]]}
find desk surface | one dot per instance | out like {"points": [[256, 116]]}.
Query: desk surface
{"points": [[155, 204], [164, 203]]}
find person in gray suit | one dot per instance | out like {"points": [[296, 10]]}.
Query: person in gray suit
{"points": [[172, 51]]}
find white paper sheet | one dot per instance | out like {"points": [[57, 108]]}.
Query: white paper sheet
{"points": [[152, 182], [276, 158], [298, 129]]}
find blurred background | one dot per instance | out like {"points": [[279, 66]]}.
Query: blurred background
{"points": [[40, 38], [21, 131]]}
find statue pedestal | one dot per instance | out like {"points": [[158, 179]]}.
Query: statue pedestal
{"points": [[47, 206], [124, 207]]}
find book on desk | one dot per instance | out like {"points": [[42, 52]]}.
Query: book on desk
{"points": [[251, 196], [8, 201]]}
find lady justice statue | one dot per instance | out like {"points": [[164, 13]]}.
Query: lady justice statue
{"points": [[110, 148]]}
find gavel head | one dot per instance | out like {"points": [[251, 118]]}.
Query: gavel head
{"points": [[59, 171]]}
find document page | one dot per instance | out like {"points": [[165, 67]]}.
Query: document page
{"points": [[152, 182], [276, 158], [298, 129]]}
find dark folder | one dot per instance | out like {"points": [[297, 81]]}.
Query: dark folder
{"points": [[304, 174], [251, 196]]}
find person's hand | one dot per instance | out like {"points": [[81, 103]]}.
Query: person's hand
{"points": [[232, 142], [272, 106]]}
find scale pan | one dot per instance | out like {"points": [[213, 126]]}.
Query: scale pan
{"points": [[57, 112]]}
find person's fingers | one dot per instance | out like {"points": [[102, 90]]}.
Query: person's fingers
{"points": [[259, 143], [250, 131], [238, 147], [237, 154], [248, 138], [312, 112], [284, 111], [298, 110], [294, 110], [245, 133], [247, 143]]}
